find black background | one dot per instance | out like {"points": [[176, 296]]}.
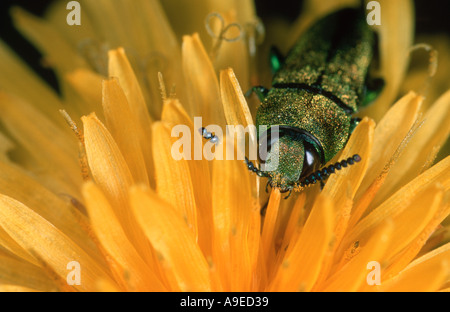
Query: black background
{"points": [[431, 17]]}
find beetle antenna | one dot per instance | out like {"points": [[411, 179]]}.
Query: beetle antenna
{"points": [[253, 168], [324, 173]]}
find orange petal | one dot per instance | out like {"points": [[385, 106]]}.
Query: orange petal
{"points": [[342, 187], [139, 276], [16, 184], [428, 273], [237, 113], [124, 128], [42, 138], [60, 55], [416, 246], [396, 34], [120, 67], [173, 239], [234, 103], [173, 179], [18, 79], [88, 85], [406, 203], [304, 258], [201, 81], [233, 211], [353, 273], [112, 175], [30, 276], [269, 230], [38, 236], [424, 145], [174, 113]]}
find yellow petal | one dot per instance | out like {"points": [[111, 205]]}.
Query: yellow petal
{"points": [[396, 34], [139, 276], [20, 80], [391, 130], [237, 113], [415, 219], [74, 35], [174, 113], [173, 239], [15, 288], [120, 67], [173, 179], [405, 256], [111, 173], [6, 145], [50, 145], [390, 138], [424, 145], [142, 29], [313, 11], [405, 204], [427, 273], [268, 230], [8, 243], [234, 54], [296, 222], [55, 48], [88, 84], [123, 127], [232, 210], [201, 82], [353, 273], [38, 236], [16, 184], [303, 260], [107, 164], [31, 276], [342, 187], [234, 103]]}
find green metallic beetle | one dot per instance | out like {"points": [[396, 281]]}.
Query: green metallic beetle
{"points": [[315, 91]]}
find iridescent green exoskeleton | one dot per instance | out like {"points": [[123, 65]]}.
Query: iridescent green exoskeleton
{"points": [[315, 91]]}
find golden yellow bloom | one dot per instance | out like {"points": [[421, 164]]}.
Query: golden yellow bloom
{"points": [[136, 219]]}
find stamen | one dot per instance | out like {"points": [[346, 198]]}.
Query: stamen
{"points": [[149, 65], [222, 34], [254, 35], [96, 54], [432, 65], [72, 125], [162, 87], [82, 157]]}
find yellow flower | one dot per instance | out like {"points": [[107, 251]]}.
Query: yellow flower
{"points": [[135, 219]]}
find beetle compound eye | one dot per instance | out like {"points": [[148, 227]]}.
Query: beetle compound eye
{"points": [[311, 161]]}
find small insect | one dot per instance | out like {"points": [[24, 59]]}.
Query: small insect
{"points": [[208, 135], [315, 91]]}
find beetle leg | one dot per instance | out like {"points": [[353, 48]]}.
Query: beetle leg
{"points": [[260, 91], [264, 209], [373, 88], [322, 184], [290, 192], [353, 123], [276, 59]]}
